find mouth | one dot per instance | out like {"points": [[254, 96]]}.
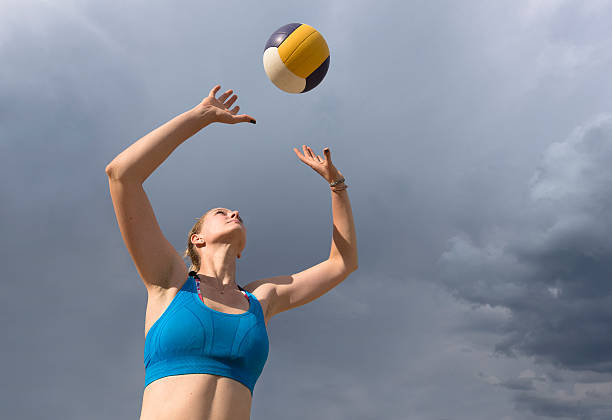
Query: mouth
{"points": [[236, 221]]}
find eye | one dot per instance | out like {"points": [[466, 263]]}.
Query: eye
{"points": [[223, 211]]}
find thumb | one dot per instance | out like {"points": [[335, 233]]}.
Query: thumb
{"points": [[244, 118], [327, 154]]}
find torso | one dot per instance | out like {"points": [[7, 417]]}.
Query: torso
{"points": [[198, 396]]}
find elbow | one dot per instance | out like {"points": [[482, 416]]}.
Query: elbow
{"points": [[108, 170], [346, 266], [112, 171]]}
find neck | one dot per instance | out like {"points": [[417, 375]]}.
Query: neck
{"points": [[218, 268]]}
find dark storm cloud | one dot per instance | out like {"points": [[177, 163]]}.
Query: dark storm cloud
{"points": [[553, 407], [537, 395], [589, 405], [553, 270]]}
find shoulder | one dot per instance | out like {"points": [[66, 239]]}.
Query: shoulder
{"points": [[263, 290], [259, 287]]}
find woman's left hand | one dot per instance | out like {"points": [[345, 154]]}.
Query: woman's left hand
{"points": [[323, 167]]}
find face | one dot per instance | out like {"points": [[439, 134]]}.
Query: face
{"points": [[224, 225]]}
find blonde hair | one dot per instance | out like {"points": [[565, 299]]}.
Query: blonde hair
{"points": [[190, 251]]}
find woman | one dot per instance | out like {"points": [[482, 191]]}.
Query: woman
{"points": [[206, 337]]}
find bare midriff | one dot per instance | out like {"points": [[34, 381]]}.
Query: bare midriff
{"points": [[196, 397]]}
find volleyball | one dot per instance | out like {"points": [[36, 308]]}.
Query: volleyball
{"points": [[296, 58]]}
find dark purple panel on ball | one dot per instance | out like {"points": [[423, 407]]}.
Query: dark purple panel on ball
{"points": [[281, 34], [316, 76]]}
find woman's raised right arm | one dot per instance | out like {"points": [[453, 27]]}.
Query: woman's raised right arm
{"points": [[141, 158], [157, 262]]}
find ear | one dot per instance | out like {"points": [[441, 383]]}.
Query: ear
{"points": [[198, 240]]}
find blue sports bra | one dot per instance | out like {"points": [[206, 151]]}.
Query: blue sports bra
{"points": [[190, 337]]}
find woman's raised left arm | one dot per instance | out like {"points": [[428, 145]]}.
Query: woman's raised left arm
{"points": [[290, 291], [344, 240]]}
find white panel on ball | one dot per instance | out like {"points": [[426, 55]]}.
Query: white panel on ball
{"points": [[279, 74]]}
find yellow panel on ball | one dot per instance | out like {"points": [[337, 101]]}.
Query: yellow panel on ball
{"points": [[296, 58], [303, 51]]}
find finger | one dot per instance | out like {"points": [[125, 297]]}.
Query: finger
{"points": [[234, 109], [327, 154], [225, 95], [319, 159], [231, 101], [307, 151], [299, 155], [312, 154], [214, 91]]}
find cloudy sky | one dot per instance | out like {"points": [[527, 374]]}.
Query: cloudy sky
{"points": [[476, 140]]}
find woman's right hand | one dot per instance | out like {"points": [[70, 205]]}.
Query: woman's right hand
{"points": [[217, 109]]}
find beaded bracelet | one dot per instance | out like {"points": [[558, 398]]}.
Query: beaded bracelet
{"points": [[339, 188], [337, 182]]}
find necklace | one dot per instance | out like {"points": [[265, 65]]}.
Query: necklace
{"points": [[218, 290], [198, 281]]}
